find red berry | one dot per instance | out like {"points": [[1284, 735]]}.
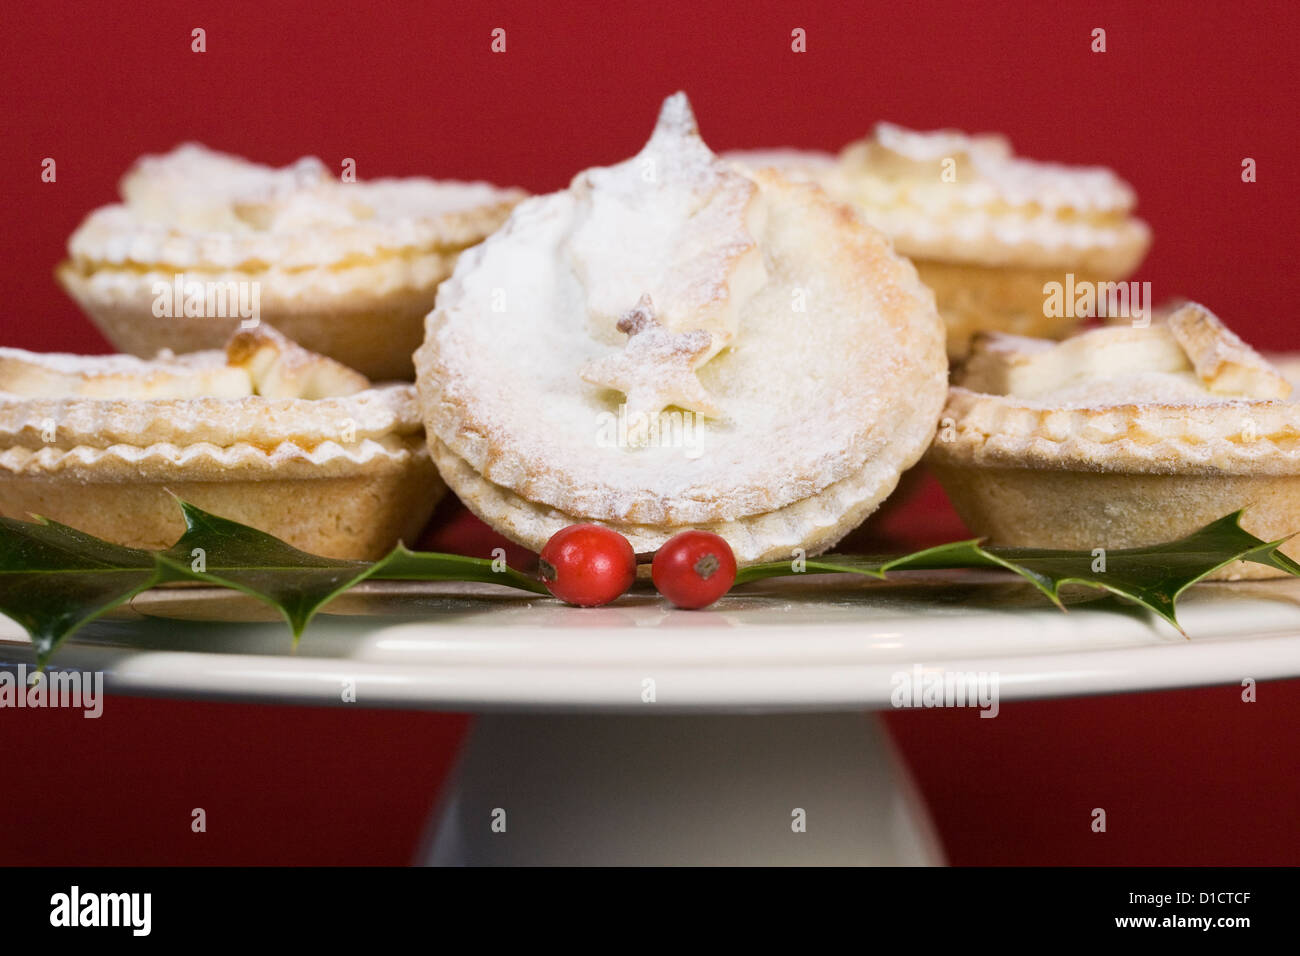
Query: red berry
{"points": [[587, 565], [693, 569]]}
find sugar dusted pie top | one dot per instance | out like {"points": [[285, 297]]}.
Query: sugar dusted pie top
{"points": [[676, 224], [950, 196], [1187, 358], [263, 395], [258, 361], [196, 208], [1183, 394], [678, 282]]}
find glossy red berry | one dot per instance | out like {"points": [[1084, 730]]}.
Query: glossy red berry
{"points": [[587, 565], [693, 569]]}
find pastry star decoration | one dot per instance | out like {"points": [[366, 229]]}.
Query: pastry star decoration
{"points": [[657, 367]]}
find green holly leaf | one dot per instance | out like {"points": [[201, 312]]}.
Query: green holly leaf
{"points": [[404, 565], [219, 551], [1154, 577], [54, 579]]}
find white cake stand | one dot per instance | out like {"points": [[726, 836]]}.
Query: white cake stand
{"points": [[641, 734]]}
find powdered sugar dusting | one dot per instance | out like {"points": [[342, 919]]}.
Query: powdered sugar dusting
{"points": [[949, 196], [264, 391], [904, 154], [257, 361], [675, 223], [1186, 357], [837, 357], [196, 207]]}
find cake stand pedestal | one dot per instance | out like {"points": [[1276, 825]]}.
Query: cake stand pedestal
{"points": [[662, 789]]}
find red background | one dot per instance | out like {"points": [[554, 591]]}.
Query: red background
{"points": [[1183, 94]]}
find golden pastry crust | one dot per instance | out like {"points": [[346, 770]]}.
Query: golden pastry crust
{"points": [[350, 515], [346, 269], [369, 315], [1121, 437], [1227, 438], [344, 475], [1226, 364], [834, 375], [1078, 510]]}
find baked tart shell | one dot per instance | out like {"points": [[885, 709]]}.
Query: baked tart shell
{"points": [[1024, 507], [367, 318], [975, 298], [300, 446], [359, 516], [1123, 476]]}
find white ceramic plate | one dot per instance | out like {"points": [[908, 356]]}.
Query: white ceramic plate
{"points": [[815, 644]]}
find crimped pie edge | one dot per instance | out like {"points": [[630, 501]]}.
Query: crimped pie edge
{"points": [[1004, 217], [253, 420], [814, 524], [203, 461], [1240, 437]]}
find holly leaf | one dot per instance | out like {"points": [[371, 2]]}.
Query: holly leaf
{"points": [[402, 564], [219, 551], [957, 554], [54, 579], [1154, 577]]}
